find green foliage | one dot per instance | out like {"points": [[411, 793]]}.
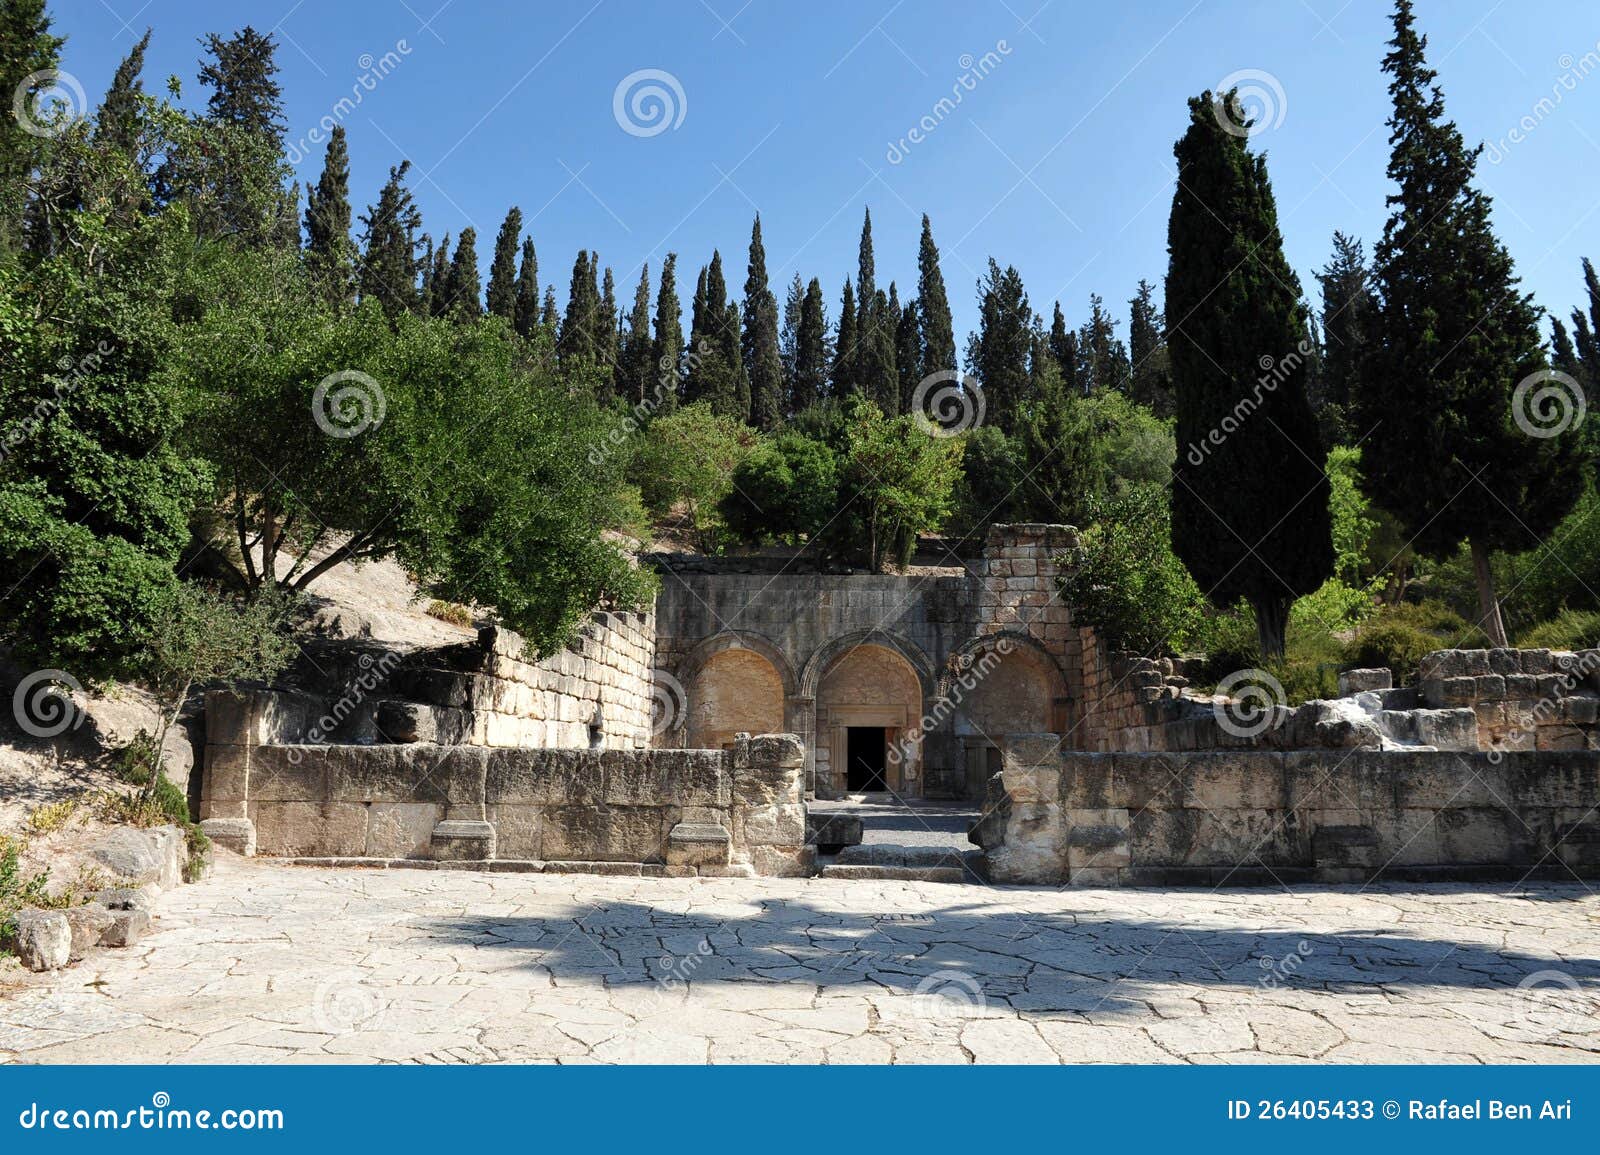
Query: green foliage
{"points": [[786, 490], [896, 480], [1124, 579], [1000, 352], [1569, 630], [1398, 637], [17, 890], [685, 463], [993, 476]]}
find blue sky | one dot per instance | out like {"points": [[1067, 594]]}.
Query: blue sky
{"points": [[1058, 160]]}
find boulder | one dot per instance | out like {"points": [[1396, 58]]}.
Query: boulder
{"points": [[143, 857], [88, 924], [127, 928], [44, 939]]}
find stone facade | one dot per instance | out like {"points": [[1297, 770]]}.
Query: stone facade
{"points": [[1523, 699], [1269, 818]]}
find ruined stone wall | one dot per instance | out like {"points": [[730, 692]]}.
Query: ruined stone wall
{"points": [[1523, 699], [1269, 818], [665, 812]]}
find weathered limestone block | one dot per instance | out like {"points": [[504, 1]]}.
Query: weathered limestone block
{"points": [[235, 834], [401, 829], [784, 861], [310, 829], [605, 834], [518, 831], [1352, 682], [699, 844], [143, 857], [44, 939], [1024, 843], [88, 924], [782, 825], [126, 929]]}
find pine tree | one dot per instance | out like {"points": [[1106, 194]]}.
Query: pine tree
{"points": [[812, 359], [1347, 307], [550, 316], [763, 365], [608, 332], [1102, 358], [1250, 497], [666, 353], [1063, 345], [933, 309], [389, 267], [844, 347], [501, 300], [525, 295], [117, 122], [464, 302], [998, 354], [635, 373], [244, 93], [330, 254], [1150, 376], [1449, 456], [577, 343]]}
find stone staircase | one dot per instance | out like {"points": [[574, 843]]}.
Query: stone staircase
{"points": [[853, 843]]}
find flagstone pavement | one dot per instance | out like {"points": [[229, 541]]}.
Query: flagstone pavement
{"points": [[262, 962]]}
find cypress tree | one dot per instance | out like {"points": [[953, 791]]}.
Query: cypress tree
{"points": [[550, 316], [1452, 455], [666, 353], [436, 303], [464, 301], [908, 352], [1347, 307], [933, 309], [880, 380], [1587, 328], [1563, 354], [1150, 380], [789, 334], [715, 373], [1063, 345], [609, 331], [763, 365], [1250, 497], [577, 342], [26, 46], [330, 254], [811, 358], [525, 295], [844, 349], [999, 353], [731, 355], [635, 375], [244, 93], [501, 300], [117, 122], [1103, 359], [389, 268]]}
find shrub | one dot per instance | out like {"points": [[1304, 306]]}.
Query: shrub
{"points": [[1569, 630], [52, 817], [687, 460], [453, 612], [1398, 637], [786, 490]]}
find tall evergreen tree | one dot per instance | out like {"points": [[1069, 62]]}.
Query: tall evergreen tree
{"points": [[550, 315], [1347, 307], [763, 364], [27, 46], [117, 122], [1587, 328], [715, 373], [1564, 354], [525, 294], [933, 309], [464, 301], [1102, 357], [389, 266], [844, 346], [436, 295], [241, 74], [879, 379], [667, 351], [577, 344], [608, 332], [789, 332], [1150, 376], [330, 253], [1063, 343], [501, 300], [1451, 455], [635, 369], [1250, 497], [812, 360], [999, 353], [908, 352]]}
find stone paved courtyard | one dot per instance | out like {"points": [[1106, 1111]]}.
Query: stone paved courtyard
{"points": [[270, 963]]}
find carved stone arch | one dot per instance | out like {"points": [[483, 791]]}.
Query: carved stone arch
{"points": [[694, 661], [825, 655], [1017, 639]]}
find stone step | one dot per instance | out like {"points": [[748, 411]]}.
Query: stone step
{"points": [[899, 873], [830, 828], [893, 854]]}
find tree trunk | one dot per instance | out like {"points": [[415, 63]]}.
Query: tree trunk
{"points": [[1488, 605], [1272, 618]]}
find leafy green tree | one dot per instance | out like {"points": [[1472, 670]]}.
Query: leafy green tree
{"points": [[389, 264], [992, 484], [896, 481], [525, 295], [501, 300], [330, 253], [759, 340], [1250, 498], [785, 490], [684, 467], [1453, 338], [666, 352], [812, 357], [1000, 352], [938, 332]]}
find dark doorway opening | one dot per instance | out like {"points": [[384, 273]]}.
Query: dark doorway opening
{"points": [[866, 758]]}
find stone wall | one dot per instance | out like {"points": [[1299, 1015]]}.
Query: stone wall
{"points": [[675, 812], [1273, 818], [1523, 699]]}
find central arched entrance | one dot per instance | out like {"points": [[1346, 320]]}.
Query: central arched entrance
{"points": [[869, 706]]}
